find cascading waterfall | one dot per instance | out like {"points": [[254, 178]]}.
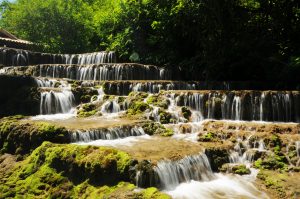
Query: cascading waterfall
{"points": [[192, 177], [101, 72], [171, 173], [282, 106], [244, 151], [106, 134], [60, 100], [18, 57], [51, 83], [110, 107], [56, 102]]}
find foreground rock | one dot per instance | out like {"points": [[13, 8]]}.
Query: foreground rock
{"points": [[64, 171]]}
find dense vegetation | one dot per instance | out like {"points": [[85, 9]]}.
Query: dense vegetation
{"points": [[207, 39]]}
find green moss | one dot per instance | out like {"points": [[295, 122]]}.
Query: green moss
{"points": [[164, 117], [158, 100], [137, 108], [121, 99], [153, 193], [168, 133], [87, 110], [208, 137], [18, 137], [273, 181], [83, 94], [138, 96], [157, 129], [217, 157], [64, 171], [272, 162], [241, 170]]}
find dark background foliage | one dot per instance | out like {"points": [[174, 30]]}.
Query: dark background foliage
{"points": [[206, 39]]}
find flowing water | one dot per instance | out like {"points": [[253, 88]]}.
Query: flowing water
{"points": [[179, 166], [18, 57]]}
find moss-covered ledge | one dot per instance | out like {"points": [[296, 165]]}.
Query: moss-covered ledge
{"points": [[20, 137], [72, 171]]}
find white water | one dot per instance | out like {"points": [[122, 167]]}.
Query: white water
{"points": [[106, 134], [102, 72], [56, 102], [110, 106], [128, 141], [172, 173], [222, 187], [258, 106], [53, 117]]}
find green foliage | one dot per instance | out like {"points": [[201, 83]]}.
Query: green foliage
{"points": [[50, 22], [212, 40]]}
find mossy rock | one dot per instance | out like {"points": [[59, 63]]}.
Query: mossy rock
{"points": [[17, 137], [165, 117], [87, 110], [217, 102], [272, 162], [217, 157], [153, 193], [138, 108], [159, 101], [152, 128], [186, 112], [236, 169], [146, 173], [83, 94], [273, 181], [241, 169], [208, 137], [69, 171]]}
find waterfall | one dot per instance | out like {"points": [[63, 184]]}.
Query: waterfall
{"points": [[110, 107], [96, 58], [52, 83], [106, 134], [171, 173], [56, 102], [243, 152], [100, 72], [18, 57], [279, 106]]}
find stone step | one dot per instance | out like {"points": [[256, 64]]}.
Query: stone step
{"points": [[100, 72], [19, 57]]}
